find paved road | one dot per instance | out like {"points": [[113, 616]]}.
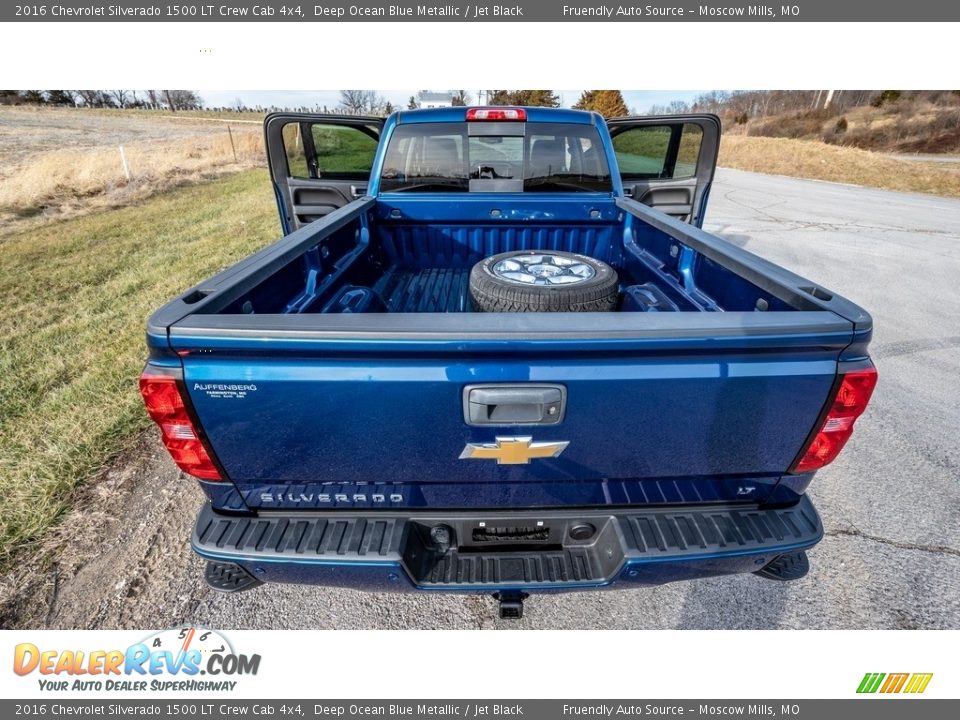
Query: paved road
{"points": [[891, 504], [926, 157]]}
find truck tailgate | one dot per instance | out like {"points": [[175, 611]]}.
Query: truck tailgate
{"points": [[325, 420]]}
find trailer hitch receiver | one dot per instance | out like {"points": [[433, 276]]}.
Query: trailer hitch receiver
{"points": [[511, 603]]}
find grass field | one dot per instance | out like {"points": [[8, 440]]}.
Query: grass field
{"points": [[76, 295]]}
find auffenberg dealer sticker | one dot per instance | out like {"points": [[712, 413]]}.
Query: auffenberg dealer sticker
{"points": [[224, 390]]}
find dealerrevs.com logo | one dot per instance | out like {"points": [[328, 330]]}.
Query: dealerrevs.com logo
{"points": [[173, 659]]}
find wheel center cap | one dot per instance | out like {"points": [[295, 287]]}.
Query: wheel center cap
{"points": [[544, 270]]}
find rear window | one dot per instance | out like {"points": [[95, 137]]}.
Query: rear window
{"points": [[447, 157]]}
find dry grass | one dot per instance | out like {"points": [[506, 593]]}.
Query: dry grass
{"points": [[67, 182], [908, 125], [816, 160]]}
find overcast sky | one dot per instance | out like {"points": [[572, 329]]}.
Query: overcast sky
{"points": [[639, 100]]}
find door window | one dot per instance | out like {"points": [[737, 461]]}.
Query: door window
{"points": [[658, 151], [689, 151], [328, 151]]}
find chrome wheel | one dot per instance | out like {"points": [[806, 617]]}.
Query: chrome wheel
{"points": [[543, 269]]}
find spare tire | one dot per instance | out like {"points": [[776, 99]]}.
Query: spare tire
{"points": [[543, 281]]}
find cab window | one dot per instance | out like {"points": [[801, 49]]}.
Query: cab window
{"points": [[446, 157]]}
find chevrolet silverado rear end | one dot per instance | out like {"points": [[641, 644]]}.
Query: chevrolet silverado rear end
{"points": [[355, 419]]}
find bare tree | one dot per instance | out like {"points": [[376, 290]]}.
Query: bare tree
{"points": [[353, 101], [61, 97], [460, 97], [360, 102], [33, 97], [90, 98], [120, 97], [182, 100]]}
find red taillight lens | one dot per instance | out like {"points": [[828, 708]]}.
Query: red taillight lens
{"points": [[848, 404], [496, 114], [165, 405]]}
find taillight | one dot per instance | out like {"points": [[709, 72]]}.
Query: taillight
{"points": [[848, 404], [165, 405], [479, 113]]}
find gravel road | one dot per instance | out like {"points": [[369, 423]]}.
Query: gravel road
{"points": [[890, 504]]}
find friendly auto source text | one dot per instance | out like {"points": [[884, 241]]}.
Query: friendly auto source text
{"points": [[610, 11]]}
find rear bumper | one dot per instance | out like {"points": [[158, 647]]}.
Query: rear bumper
{"points": [[531, 551]]}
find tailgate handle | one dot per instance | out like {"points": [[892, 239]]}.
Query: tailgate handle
{"points": [[514, 404]]}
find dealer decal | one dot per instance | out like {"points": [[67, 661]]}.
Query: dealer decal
{"points": [[235, 391]]}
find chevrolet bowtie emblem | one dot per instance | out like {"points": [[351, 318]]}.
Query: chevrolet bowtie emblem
{"points": [[513, 450]]}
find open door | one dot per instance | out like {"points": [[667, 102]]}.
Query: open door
{"points": [[318, 163], [668, 161]]}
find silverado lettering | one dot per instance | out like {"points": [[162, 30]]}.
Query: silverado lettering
{"points": [[282, 498]]}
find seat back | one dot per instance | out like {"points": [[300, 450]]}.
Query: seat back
{"points": [[547, 157], [441, 157]]}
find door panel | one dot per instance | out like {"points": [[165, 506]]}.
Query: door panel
{"points": [[668, 161], [318, 163], [673, 199], [311, 202]]}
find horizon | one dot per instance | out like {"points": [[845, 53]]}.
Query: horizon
{"points": [[639, 100]]}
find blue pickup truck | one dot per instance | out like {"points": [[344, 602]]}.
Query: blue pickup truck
{"points": [[495, 352]]}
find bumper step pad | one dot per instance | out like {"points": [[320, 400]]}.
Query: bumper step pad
{"points": [[791, 566], [229, 578], [550, 549]]}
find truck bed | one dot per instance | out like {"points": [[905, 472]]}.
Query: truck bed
{"points": [[379, 263]]}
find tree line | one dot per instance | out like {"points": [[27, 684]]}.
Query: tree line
{"points": [[172, 100], [609, 103], [740, 106]]}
